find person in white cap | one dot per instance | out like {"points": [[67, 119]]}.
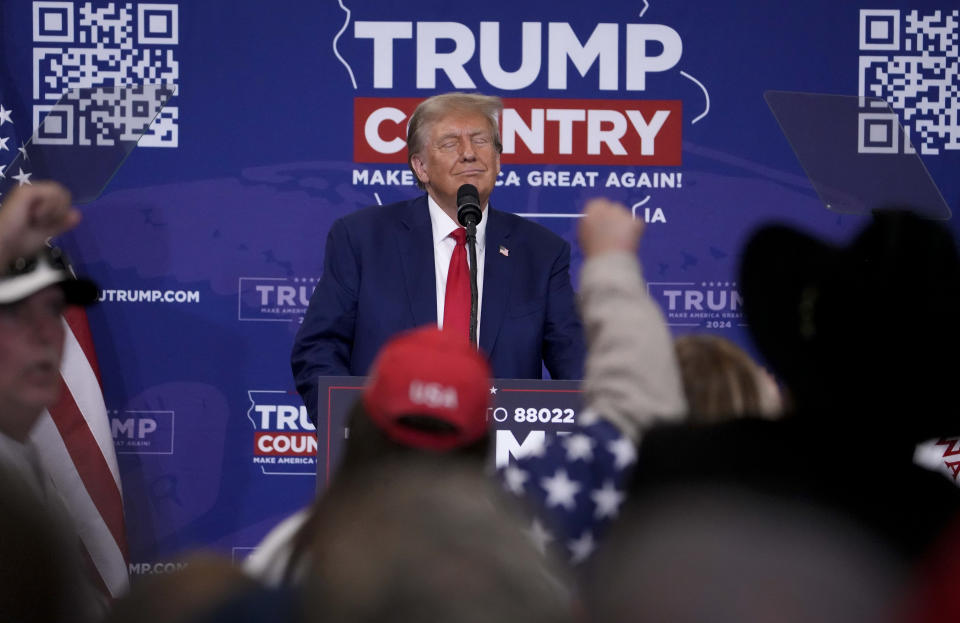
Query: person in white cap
{"points": [[35, 285]]}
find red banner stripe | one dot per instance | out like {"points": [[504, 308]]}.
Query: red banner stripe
{"points": [[542, 131]]}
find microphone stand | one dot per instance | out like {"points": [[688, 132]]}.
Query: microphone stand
{"points": [[471, 228], [469, 213]]}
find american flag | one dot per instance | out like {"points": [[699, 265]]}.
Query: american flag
{"points": [[574, 486], [73, 439]]}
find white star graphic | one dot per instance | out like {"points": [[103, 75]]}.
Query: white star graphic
{"points": [[588, 417], [2, 169], [5, 115], [608, 500], [23, 150], [623, 452], [540, 536], [515, 478], [581, 548], [493, 390], [3, 144], [560, 490], [579, 447], [23, 178]]}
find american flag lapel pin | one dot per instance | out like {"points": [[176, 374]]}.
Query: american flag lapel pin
{"points": [[504, 251]]}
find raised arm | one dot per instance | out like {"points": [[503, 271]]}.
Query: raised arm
{"points": [[631, 373]]}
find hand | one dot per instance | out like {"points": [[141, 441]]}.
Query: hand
{"points": [[30, 215], [608, 226]]}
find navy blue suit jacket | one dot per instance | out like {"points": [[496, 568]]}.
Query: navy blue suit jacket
{"points": [[379, 279]]}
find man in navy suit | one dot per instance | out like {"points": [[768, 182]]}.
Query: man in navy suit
{"points": [[385, 267]]}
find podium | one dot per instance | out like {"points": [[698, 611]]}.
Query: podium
{"points": [[523, 413]]}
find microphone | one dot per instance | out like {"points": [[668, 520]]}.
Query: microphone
{"points": [[468, 205], [469, 214]]}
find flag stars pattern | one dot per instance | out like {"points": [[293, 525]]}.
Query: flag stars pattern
{"points": [[623, 452], [515, 478], [575, 485], [581, 548], [23, 178], [608, 500], [579, 447], [560, 490], [5, 115]]}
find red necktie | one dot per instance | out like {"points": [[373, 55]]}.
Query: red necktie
{"points": [[456, 301]]}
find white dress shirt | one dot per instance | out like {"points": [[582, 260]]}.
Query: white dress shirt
{"points": [[443, 246]]}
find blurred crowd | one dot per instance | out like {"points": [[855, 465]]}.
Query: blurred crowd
{"points": [[697, 486]]}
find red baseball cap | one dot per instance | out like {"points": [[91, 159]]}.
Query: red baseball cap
{"points": [[429, 389]]}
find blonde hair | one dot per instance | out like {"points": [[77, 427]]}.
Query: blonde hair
{"points": [[435, 108], [723, 382]]}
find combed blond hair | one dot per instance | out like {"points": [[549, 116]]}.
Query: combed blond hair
{"points": [[435, 108]]}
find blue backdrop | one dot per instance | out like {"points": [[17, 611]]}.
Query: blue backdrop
{"points": [[209, 240]]}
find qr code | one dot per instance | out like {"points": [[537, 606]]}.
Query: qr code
{"points": [[105, 44], [910, 60]]}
